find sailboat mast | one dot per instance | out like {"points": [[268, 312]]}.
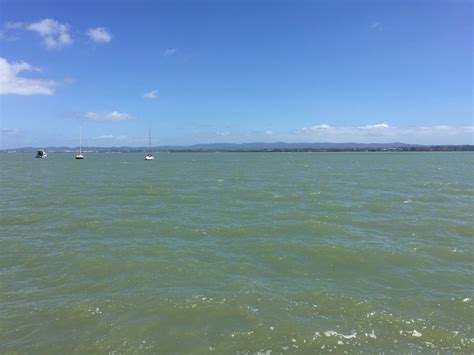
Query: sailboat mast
{"points": [[80, 140], [149, 156]]}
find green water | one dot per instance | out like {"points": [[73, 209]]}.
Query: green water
{"points": [[237, 253]]}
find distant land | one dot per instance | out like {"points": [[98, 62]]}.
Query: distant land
{"points": [[261, 147]]}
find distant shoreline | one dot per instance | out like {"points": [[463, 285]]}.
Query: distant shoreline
{"points": [[238, 149]]}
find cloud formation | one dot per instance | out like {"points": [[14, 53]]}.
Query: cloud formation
{"points": [[107, 116], [370, 133], [169, 52], [152, 95], [54, 34], [376, 26], [99, 35], [111, 136], [383, 133], [376, 126], [13, 84]]}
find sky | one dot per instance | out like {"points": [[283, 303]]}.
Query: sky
{"points": [[235, 72]]}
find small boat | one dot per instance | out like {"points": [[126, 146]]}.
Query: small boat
{"points": [[41, 153], [80, 155], [149, 156]]}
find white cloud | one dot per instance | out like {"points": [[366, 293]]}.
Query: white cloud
{"points": [[111, 136], [370, 133], [107, 116], [11, 83], [169, 52], [318, 127], [376, 26], [54, 34], [99, 35], [105, 136], [377, 126], [383, 133], [325, 128], [153, 95]]}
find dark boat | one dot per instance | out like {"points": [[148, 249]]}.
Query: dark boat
{"points": [[41, 154]]}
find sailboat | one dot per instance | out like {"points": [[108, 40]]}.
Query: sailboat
{"points": [[149, 156], [80, 156]]}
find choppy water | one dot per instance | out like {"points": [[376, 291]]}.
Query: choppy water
{"points": [[234, 253]]}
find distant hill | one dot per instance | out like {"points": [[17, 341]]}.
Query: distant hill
{"points": [[262, 147], [284, 146]]}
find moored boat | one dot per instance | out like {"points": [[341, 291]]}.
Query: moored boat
{"points": [[80, 155], [41, 153], [149, 156]]}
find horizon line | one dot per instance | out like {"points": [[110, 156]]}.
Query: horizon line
{"points": [[301, 144]]}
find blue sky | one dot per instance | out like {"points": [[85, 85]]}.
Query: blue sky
{"points": [[235, 71]]}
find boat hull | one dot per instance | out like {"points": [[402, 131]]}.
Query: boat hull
{"points": [[41, 154]]}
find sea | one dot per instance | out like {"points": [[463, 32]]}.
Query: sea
{"points": [[237, 253]]}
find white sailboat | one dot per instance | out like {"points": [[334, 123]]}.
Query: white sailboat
{"points": [[149, 156], [80, 155]]}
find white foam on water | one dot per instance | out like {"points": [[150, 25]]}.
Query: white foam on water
{"points": [[97, 311], [329, 333], [417, 334], [467, 299]]}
